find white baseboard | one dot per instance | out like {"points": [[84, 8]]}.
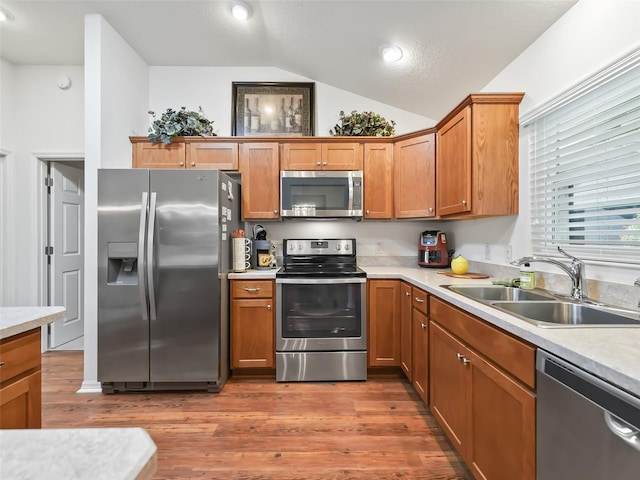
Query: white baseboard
{"points": [[90, 387]]}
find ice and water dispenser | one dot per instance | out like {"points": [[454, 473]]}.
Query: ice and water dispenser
{"points": [[122, 263]]}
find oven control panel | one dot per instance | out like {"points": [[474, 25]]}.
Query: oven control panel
{"points": [[343, 246]]}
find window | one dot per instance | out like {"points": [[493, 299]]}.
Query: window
{"points": [[585, 168]]}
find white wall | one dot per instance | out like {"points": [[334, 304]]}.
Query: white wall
{"points": [[115, 107], [590, 36], [210, 87], [37, 118]]}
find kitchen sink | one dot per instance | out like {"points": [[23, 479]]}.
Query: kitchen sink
{"points": [[568, 314], [490, 293]]}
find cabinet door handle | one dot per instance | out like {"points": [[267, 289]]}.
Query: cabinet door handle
{"points": [[193, 164], [419, 300], [252, 289], [422, 325], [1, 364], [268, 307], [181, 164]]}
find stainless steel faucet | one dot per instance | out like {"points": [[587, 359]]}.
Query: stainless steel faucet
{"points": [[576, 272]]}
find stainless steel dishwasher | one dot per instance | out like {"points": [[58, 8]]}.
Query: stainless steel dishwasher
{"points": [[587, 429]]}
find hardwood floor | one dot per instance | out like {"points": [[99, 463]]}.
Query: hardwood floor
{"points": [[262, 430]]}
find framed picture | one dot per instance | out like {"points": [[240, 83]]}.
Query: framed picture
{"points": [[270, 109]]}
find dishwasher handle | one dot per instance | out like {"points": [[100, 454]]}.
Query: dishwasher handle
{"points": [[628, 433]]}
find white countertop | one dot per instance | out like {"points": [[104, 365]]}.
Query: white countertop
{"points": [[77, 454], [15, 320], [254, 274], [608, 352]]}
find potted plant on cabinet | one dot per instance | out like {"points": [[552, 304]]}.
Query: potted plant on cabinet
{"points": [[179, 123], [363, 124]]}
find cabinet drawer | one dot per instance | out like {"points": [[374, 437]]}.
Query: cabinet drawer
{"points": [[19, 354], [511, 354], [252, 288], [419, 300]]}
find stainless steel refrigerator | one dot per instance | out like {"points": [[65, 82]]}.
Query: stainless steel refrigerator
{"points": [[164, 252]]}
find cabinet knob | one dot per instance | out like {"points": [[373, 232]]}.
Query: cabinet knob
{"points": [[459, 356], [268, 307], [181, 164], [422, 325], [1, 364], [464, 202], [318, 163], [430, 209], [407, 294], [275, 212], [324, 163], [466, 361], [193, 164], [368, 212]]}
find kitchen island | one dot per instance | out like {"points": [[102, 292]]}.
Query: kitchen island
{"points": [[77, 453]]}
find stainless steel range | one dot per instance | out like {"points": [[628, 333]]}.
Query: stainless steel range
{"points": [[320, 321]]}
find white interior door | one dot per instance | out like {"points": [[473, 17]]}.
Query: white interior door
{"points": [[67, 238]]}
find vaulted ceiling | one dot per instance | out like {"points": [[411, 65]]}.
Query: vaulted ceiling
{"points": [[451, 47]]}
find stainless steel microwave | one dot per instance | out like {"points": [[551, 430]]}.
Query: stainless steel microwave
{"points": [[322, 193]]}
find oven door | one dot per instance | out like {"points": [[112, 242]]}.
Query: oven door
{"points": [[320, 314]]}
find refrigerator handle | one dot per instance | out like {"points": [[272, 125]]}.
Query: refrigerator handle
{"points": [[150, 256], [141, 273]]}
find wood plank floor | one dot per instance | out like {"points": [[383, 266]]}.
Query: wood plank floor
{"points": [[262, 430]]}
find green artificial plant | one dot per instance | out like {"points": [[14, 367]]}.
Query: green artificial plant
{"points": [[363, 124], [183, 122]]}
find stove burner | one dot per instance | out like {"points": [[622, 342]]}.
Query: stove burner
{"points": [[313, 258]]}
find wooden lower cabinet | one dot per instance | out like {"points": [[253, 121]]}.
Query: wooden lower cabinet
{"points": [[20, 381], [419, 354], [383, 323], [487, 414], [406, 327], [252, 324]]}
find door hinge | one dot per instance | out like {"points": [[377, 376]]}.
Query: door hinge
{"points": [[48, 251], [48, 181]]}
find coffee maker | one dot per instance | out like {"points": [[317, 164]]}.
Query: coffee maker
{"points": [[432, 249], [264, 250]]}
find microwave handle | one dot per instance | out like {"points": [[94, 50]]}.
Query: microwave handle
{"points": [[350, 193]]}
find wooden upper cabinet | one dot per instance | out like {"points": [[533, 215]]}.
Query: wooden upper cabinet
{"points": [[378, 180], [477, 157], [414, 177], [158, 155], [322, 156], [301, 156], [342, 156], [221, 156], [260, 170]]}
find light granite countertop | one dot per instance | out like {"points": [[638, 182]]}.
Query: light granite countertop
{"points": [[15, 320], [608, 352], [77, 454], [254, 274]]}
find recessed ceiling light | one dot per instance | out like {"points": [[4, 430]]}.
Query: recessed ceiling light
{"points": [[5, 15], [240, 11], [390, 53]]}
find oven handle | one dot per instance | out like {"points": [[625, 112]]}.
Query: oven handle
{"points": [[320, 281]]}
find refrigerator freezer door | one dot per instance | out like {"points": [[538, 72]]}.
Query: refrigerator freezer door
{"points": [[123, 326], [185, 333]]}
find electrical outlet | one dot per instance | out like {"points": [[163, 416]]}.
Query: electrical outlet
{"points": [[379, 247], [508, 253], [487, 252]]}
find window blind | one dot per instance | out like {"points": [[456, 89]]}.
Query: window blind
{"points": [[584, 158]]}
